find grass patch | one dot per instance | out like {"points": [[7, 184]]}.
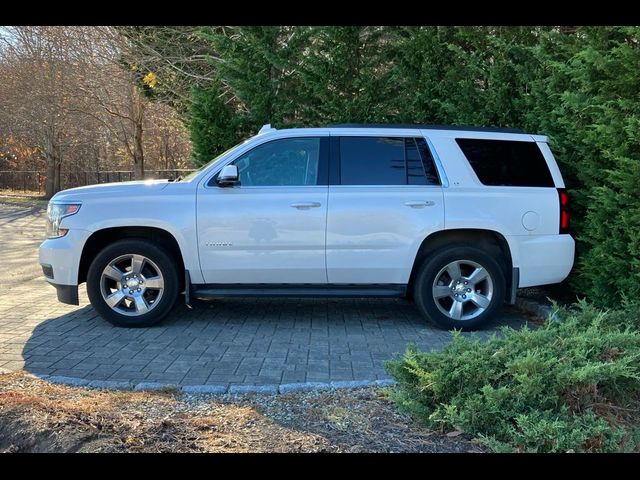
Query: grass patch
{"points": [[29, 199]]}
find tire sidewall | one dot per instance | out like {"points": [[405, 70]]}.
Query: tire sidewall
{"points": [[434, 263], [140, 247]]}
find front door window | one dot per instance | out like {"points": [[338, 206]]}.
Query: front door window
{"points": [[286, 162]]}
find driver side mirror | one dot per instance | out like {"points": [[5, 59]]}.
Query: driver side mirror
{"points": [[228, 176]]}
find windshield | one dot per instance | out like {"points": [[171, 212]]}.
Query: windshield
{"points": [[189, 177]]}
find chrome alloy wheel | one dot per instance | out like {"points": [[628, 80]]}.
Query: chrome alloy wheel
{"points": [[131, 285], [462, 290]]}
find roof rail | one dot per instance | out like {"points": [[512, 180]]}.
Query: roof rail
{"points": [[266, 128], [418, 126]]}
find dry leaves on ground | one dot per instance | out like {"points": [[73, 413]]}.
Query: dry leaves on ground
{"points": [[39, 416]]}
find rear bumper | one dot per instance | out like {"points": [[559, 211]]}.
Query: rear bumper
{"points": [[542, 259]]}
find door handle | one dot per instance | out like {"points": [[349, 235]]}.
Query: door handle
{"points": [[305, 205], [420, 203]]}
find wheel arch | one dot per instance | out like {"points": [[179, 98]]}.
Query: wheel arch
{"points": [[490, 241], [106, 236]]}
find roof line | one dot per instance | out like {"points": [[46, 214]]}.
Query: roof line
{"points": [[463, 128]]}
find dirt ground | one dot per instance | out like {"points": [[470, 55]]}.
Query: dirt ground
{"points": [[37, 416]]}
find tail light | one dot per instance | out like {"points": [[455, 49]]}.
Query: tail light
{"points": [[564, 210]]}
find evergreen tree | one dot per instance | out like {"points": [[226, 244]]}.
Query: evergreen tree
{"points": [[256, 64], [345, 76], [213, 125], [463, 75], [602, 113]]}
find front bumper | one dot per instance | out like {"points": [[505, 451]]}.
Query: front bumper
{"points": [[60, 257]]}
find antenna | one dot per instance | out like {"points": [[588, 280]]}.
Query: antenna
{"points": [[266, 128]]}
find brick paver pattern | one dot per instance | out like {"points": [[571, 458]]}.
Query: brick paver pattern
{"points": [[234, 341]]}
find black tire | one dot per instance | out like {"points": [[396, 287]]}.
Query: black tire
{"points": [[434, 263], [157, 255]]}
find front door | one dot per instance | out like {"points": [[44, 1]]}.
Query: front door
{"points": [[269, 228]]}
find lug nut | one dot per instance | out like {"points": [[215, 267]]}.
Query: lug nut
{"points": [[139, 289], [468, 289], [464, 296], [130, 292], [466, 283]]}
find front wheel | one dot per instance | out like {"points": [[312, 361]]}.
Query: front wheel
{"points": [[459, 287], [132, 283]]}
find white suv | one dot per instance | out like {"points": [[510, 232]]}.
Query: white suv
{"points": [[456, 218]]}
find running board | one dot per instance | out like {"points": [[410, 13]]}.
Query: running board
{"points": [[296, 290]]}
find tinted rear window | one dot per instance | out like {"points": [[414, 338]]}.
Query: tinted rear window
{"points": [[372, 161], [506, 163], [386, 161]]}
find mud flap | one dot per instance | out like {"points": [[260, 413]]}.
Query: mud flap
{"points": [[187, 289]]}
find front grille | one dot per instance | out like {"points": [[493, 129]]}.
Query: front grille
{"points": [[48, 271]]}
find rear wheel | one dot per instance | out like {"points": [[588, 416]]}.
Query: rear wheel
{"points": [[132, 283], [459, 287]]}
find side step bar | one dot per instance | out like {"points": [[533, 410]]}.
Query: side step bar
{"points": [[289, 290]]}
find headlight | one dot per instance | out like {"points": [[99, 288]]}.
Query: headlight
{"points": [[55, 213]]}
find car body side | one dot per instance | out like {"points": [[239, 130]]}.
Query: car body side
{"points": [[526, 218]]}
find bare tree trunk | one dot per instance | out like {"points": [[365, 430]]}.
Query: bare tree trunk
{"points": [[138, 152], [58, 178], [137, 117], [53, 161], [49, 186]]}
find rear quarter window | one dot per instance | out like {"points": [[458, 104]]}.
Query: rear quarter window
{"points": [[506, 162]]}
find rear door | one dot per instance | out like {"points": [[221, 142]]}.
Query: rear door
{"points": [[385, 197]]}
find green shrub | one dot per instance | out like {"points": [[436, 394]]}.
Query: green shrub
{"points": [[550, 389], [628, 315]]}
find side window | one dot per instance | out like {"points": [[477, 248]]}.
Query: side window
{"points": [[506, 163], [372, 161], [386, 161], [429, 174], [284, 162]]}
